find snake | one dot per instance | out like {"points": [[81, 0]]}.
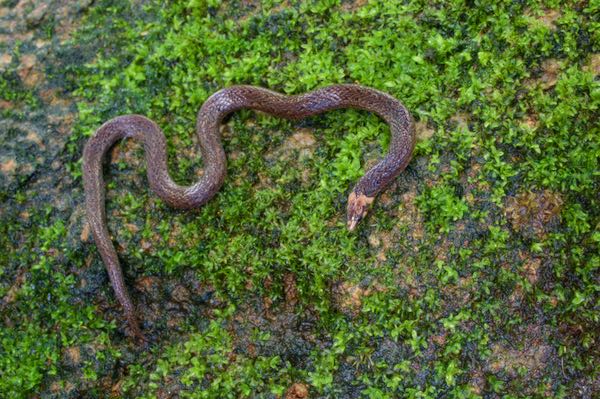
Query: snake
{"points": [[209, 118]]}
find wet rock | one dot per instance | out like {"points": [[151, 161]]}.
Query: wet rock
{"points": [[181, 295], [347, 373], [527, 349], [532, 358], [390, 351], [148, 285], [175, 322]]}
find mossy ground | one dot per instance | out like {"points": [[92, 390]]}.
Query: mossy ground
{"points": [[476, 274]]}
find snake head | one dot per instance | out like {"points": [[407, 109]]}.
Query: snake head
{"points": [[358, 206]]}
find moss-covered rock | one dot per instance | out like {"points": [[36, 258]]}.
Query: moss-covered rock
{"points": [[476, 274]]}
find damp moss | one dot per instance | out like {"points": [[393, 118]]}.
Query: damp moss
{"points": [[440, 293]]}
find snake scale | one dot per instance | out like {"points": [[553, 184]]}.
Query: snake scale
{"points": [[209, 119]]}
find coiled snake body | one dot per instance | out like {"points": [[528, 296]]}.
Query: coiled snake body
{"points": [[209, 119]]}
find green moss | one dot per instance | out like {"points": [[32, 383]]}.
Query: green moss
{"points": [[442, 296], [204, 356], [43, 317]]}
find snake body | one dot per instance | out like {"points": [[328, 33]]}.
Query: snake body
{"points": [[208, 122]]}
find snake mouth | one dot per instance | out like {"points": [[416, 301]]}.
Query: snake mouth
{"points": [[358, 206], [352, 223]]}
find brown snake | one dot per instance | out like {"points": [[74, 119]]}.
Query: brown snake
{"points": [[209, 119]]}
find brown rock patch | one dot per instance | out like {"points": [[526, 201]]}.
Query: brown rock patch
{"points": [[381, 242], [62, 387], [8, 166], [5, 60], [531, 269], [348, 297], [423, 132], [549, 18], [37, 15], [51, 97], [290, 289], [530, 121], [72, 355], [303, 139], [147, 284], [297, 391], [477, 382], [132, 228], [28, 72], [303, 142], [534, 212], [593, 65], [11, 295], [34, 137], [551, 70], [533, 357], [461, 120], [353, 5], [409, 214], [527, 349], [85, 232], [181, 295]]}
